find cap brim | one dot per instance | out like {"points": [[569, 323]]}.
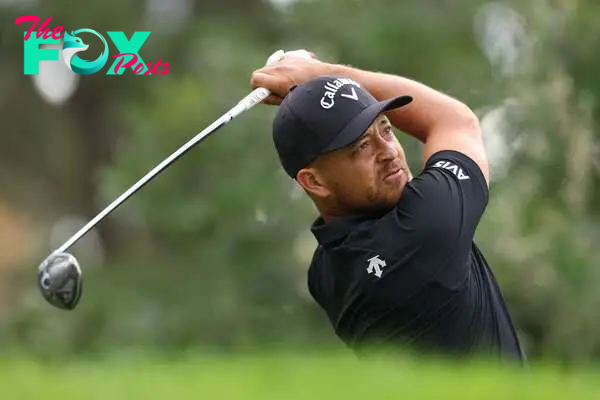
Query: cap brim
{"points": [[359, 125]]}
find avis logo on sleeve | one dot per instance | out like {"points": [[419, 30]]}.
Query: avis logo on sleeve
{"points": [[455, 169]]}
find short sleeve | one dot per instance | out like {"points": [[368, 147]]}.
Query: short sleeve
{"points": [[439, 212]]}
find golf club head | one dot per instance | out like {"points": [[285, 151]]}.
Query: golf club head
{"points": [[59, 280]]}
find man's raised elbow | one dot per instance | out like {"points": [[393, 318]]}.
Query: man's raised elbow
{"points": [[466, 120]]}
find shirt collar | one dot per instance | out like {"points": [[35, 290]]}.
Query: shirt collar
{"points": [[338, 228]]}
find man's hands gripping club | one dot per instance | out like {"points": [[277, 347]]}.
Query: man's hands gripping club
{"points": [[294, 68]]}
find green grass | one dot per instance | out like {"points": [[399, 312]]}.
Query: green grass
{"points": [[281, 377]]}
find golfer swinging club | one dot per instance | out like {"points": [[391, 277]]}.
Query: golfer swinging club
{"points": [[396, 262]]}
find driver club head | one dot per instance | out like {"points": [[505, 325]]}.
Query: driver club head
{"points": [[60, 281]]}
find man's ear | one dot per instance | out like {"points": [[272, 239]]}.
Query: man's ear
{"points": [[312, 181]]}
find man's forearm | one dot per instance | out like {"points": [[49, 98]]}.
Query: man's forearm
{"points": [[430, 110]]}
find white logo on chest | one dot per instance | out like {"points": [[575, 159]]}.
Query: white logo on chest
{"points": [[375, 266]]}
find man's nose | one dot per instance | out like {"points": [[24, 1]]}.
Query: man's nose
{"points": [[387, 151]]}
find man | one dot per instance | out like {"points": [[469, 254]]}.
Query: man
{"points": [[396, 263]]}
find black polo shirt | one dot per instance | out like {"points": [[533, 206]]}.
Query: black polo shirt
{"points": [[414, 276]]}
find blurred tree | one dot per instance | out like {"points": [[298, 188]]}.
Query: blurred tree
{"points": [[213, 253]]}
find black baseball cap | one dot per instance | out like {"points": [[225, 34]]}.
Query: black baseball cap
{"points": [[323, 115]]}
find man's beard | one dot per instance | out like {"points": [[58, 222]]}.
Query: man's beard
{"points": [[377, 202]]}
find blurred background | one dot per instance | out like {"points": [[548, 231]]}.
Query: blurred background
{"points": [[213, 253]]}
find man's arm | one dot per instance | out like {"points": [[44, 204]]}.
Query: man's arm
{"points": [[436, 119]]}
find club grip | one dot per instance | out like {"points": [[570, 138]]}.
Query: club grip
{"points": [[260, 94]]}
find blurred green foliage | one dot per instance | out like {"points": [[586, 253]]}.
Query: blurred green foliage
{"points": [[213, 253]]}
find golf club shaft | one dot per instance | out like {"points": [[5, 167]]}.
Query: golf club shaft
{"points": [[252, 99]]}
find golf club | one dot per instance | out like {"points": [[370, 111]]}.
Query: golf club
{"points": [[59, 275]]}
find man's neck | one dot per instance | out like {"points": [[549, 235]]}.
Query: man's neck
{"points": [[330, 213], [327, 217]]}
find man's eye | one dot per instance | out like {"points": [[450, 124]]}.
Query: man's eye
{"points": [[363, 145]]}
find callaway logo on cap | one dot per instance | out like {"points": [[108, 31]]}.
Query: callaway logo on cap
{"points": [[332, 87], [323, 115]]}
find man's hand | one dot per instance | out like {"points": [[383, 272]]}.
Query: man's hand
{"points": [[294, 68]]}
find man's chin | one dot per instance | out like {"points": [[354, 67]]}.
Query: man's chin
{"points": [[393, 196], [380, 203]]}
